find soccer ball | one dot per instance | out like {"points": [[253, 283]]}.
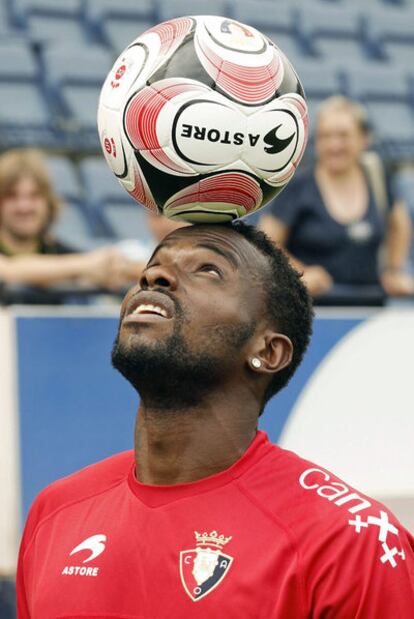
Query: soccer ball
{"points": [[203, 119]]}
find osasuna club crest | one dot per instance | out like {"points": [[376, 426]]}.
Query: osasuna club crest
{"points": [[203, 568]]}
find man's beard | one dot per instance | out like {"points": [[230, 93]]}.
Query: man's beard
{"points": [[169, 376]]}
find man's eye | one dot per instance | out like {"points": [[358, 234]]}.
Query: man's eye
{"points": [[210, 268]]}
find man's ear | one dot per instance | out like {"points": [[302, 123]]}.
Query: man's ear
{"points": [[271, 353]]}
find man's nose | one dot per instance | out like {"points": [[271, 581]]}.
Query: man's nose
{"points": [[158, 276]]}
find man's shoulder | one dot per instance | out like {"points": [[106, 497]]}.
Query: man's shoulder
{"points": [[305, 497], [87, 482], [352, 553]]}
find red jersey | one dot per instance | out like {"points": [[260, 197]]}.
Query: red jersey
{"points": [[272, 537]]}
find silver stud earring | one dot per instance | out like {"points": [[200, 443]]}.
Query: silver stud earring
{"points": [[256, 363]]}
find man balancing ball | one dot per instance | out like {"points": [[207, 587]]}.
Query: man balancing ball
{"points": [[206, 518]]}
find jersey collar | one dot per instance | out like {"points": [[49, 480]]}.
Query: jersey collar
{"points": [[156, 496]]}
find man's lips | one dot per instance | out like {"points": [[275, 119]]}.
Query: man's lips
{"points": [[149, 306]]}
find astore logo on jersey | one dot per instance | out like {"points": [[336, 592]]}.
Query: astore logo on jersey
{"points": [[94, 545]]}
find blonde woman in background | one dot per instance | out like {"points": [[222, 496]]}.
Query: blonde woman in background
{"points": [[333, 219], [28, 253]]}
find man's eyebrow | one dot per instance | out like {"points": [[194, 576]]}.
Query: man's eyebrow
{"points": [[206, 245], [156, 250], [222, 252]]}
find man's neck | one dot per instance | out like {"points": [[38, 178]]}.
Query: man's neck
{"points": [[178, 447], [13, 245]]}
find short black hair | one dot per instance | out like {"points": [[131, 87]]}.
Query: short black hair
{"points": [[289, 302]]}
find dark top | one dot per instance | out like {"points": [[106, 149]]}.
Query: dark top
{"points": [[348, 252], [33, 295], [46, 247]]}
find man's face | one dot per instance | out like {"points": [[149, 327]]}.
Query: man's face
{"points": [[24, 211], [197, 304]]}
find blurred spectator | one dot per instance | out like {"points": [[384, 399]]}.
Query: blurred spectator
{"points": [[28, 253], [334, 219]]}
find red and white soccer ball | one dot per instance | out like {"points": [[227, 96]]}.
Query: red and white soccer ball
{"points": [[203, 119]]}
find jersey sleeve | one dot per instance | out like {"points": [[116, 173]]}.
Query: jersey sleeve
{"points": [[36, 513], [364, 570], [22, 606]]}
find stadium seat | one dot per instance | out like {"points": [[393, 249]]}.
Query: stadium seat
{"points": [[117, 24], [318, 19], [370, 4], [393, 124], [74, 64], [313, 105], [98, 10], [119, 33], [390, 24], [381, 83], [258, 13], [74, 75], [288, 43], [168, 10], [333, 31], [64, 178], [17, 61], [24, 112], [100, 184], [47, 20], [82, 104], [118, 212], [22, 104], [400, 53], [72, 229], [128, 222], [392, 29], [336, 50], [45, 29], [6, 27], [320, 80], [24, 115]]}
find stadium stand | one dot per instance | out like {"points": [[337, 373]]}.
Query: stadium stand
{"points": [[24, 114], [65, 178], [116, 212], [61, 52], [46, 20], [76, 226], [280, 26], [333, 32], [167, 10], [74, 87], [117, 23]]}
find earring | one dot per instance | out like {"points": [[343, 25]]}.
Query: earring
{"points": [[256, 363]]}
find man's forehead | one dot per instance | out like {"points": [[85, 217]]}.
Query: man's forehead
{"points": [[219, 236]]}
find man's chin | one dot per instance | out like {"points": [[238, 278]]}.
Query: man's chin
{"points": [[165, 373]]}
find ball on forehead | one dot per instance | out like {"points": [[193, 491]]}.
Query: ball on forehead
{"points": [[203, 119]]}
